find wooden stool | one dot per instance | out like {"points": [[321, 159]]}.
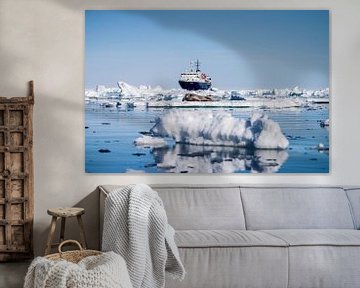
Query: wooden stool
{"points": [[64, 213]]}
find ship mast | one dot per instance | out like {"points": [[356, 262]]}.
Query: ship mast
{"points": [[197, 63]]}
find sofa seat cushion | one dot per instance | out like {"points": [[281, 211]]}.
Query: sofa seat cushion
{"points": [[317, 237], [233, 267], [225, 238], [323, 258]]}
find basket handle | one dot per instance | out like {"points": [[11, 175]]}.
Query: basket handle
{"points": [[69, 241]]}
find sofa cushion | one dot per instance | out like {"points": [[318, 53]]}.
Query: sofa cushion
{"points": [[322, 258], [226, 238], [324, 266], [317, 237], [296, 208], [191, 207], [203, 208], [223, 267], [354, 198]]}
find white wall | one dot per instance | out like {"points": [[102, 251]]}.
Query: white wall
{"points": [[43, 40]]}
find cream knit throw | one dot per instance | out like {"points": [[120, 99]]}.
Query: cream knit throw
{"points": [[103, 271], [136, 227]]}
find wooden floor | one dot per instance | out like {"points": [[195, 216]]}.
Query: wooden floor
{"points": [[12, 274]]}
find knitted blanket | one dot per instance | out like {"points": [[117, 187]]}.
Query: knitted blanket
{"points": [[103, 271], [136, 227]]}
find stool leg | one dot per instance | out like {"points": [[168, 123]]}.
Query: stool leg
{"points": [[82, 232], [62, 230], [51, 235]]}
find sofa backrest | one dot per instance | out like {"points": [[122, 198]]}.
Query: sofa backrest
{"points": [[212, 207], [296, 208], [203, 207]]}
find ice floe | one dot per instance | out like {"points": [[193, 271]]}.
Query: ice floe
{"points": [[125, 90], [150, 141], [143, 91], [253, 102], [325, 123], [160, 97], [321, 147], [101, 92], [208, 128]]}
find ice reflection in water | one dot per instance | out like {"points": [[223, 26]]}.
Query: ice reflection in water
{"points": [[183, 158]]}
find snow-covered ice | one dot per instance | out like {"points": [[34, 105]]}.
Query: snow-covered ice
{"points": [[322, 147], [252, 102], [158, 97], [210, 128], [325, 123], [101, 92], [149, 141], [143, 91]]}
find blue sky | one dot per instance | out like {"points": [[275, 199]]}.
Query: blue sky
{"points": [[243, 49]]}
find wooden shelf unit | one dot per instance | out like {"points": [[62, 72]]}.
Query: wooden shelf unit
{"points": [[16, 177]]}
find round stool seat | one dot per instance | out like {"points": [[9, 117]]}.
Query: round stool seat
{"points": [[66, 211]]}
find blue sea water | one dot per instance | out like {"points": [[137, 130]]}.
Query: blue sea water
{"points": [[114, 131]]}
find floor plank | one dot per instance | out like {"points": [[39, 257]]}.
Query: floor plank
{"points": [[12, 274]]}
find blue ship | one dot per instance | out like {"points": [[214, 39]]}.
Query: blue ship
{"points": [[194, 79]]}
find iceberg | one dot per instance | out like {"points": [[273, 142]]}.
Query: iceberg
{"points": [[101, 92], [129, 91], [296, 92], [208, 128]]}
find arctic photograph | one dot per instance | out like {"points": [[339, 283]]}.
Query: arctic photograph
{"points": [[207, 91]]}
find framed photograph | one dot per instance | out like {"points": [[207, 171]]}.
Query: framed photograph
{"points": [[226, 91]]}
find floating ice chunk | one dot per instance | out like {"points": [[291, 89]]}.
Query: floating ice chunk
{"points": [[150, 141], [100, 88], [210, 128], [325, 123], [267, 133], [143, 91], [296, 92], [134, 171], [322, 147], [108, 104], [265, 103]]}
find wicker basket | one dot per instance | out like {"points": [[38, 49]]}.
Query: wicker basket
{"points": [[72, 256]]}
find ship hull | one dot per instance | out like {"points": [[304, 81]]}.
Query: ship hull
{"points": [[194, 85]]}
